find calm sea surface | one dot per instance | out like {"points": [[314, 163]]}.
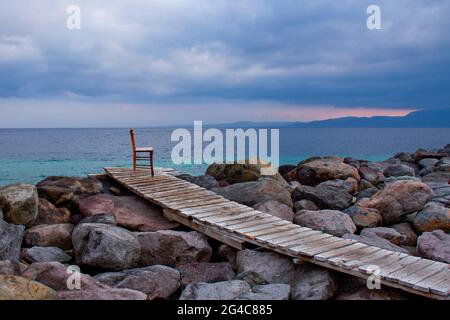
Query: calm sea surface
{"points": [[29, 155]]}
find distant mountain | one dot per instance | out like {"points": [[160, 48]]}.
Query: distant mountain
{"points": [[418, 119]]}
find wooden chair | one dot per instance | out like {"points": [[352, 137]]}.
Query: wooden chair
{"points": [[141, 154]]}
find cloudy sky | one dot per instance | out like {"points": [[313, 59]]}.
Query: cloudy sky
{"points": [[158, 62]]}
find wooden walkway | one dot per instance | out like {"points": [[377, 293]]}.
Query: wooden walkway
{"points": [[236, 224]]}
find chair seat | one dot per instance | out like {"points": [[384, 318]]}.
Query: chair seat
{"points": [[147, 149]]}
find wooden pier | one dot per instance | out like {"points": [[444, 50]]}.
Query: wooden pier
{"points": [[235, 224]]}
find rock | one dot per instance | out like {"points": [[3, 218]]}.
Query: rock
{"points": [[305, 205], [155, 281], [50, 235], [205, 272], [49, 214], [235, 290], [441, 193], [315, 284], [11, 268], [284, 169], [389, 234], [361, 292], [434, 216], [130, 212], [275, 291], [367, 193], [11, 236], [238, 173], [434, 245], [228, 254], [404, 157], [18, 288], [105, 247], [398, 170], [276, 209], [401, 178], [105, 218], [57, 276], [324, 195], [364, 217], [119, 191], [437, 177], [68, 191], [306, 281], [425, 154], [409, 235], [251, 193], [314, 172], [44, 254], [428, 163], [370, 175], [19, 203], [172, 248], [101, 294], [365, 185], [372, 239], [400, 198], [206, 181], [329, 221]]}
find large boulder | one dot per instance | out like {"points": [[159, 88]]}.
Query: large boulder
{"points": [[105, 247], [206, 181], [238, 173], [12, 268], [11, 236], [324, 195], [371, 175], [306, 281], [235, 290], [316, 171], [19, 203], [18, 288], [172, 248], [408, 232], [251, 193], [305, 205], [130, 212], [68, 191], [437, 177], [389, 234], [205, 272], [329, 221], [364, 217], [110, 294], [372, 239], [400, 198], [155, 281], [49, 214], [50, 235], [434, 216], [44, 254], [276, 209], [398, 170], [434, 245]]}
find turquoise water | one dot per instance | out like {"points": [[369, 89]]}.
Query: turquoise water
{"points": [[29, 155]]}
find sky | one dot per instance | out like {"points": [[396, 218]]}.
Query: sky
{"points": [[168, 62]]}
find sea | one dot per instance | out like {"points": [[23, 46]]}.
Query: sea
{"points": [[30, 155]]}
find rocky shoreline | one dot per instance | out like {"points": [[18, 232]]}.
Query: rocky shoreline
{"points": [[126, 249]]}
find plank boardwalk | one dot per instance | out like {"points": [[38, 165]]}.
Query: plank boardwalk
{"points": [[236, 224]]}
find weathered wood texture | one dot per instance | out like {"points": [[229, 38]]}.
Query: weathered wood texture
{"points": [[236, 224]]}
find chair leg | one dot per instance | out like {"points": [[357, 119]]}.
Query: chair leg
{"points": [[151, 164], [134, 161]]}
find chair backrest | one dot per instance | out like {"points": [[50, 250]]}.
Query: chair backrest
{"points": [[133, 141]]}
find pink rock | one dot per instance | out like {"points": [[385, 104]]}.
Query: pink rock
{"points": [[434, 245], [50, 235], [130, 212]]}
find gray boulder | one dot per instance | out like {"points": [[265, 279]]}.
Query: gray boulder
{"points": [[172, 248], [276, 209], [329, 221], [434, 245], [205, 272], [305, 205], [408, 232], [106, 247], [44, 254], [389, 234], [19, 203], [11, 236], [10, 268], [372, 239], [364, 217], [50, 235], [433, 217], [206, 181], [325, 195]]}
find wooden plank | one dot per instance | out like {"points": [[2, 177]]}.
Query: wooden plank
{"points": [[305, 248], [245, 220], [254, 234], [305, 240], [205, 208], [261, 226], [259, 220], [382, 254], [193, 204], [187, 193], [163, 187], [228, 217], [185, 203], [339, 260], [222, 212], [282, 235], [426, 284], [442, 288], [393, 258], [393, 267], [171, 192], [294, 236], [425, 273], [408, 270], [324, 256]]}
